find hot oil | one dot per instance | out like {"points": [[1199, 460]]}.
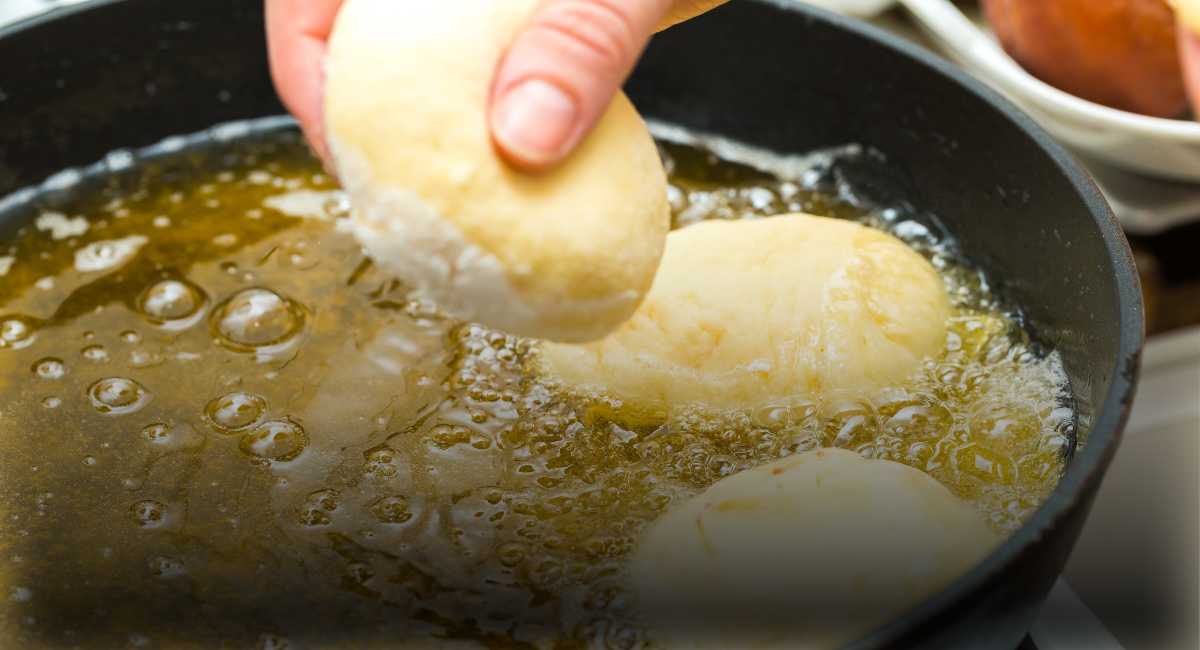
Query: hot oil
{"points": [[225, 427]]}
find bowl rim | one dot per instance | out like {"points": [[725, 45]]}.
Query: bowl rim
{"points": [[955, 32], [1088, 466], [52, 11]]}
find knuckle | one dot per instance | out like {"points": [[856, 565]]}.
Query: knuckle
{"points": [[595, 29]]}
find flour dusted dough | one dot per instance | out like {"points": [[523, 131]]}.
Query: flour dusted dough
{"points": [[745, 310], [565, 255], [810, 551]]}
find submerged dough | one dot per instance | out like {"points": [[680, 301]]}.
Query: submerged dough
{"points": [[745, 310], [810, 551], [565, 255]]}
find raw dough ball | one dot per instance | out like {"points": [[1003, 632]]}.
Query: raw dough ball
{"points": [[745, 310], [810, 551], [566, 254]]}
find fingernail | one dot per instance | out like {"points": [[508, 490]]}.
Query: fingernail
{"points": [[533, 120]]}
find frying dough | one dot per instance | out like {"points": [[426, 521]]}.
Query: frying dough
{"points": [[566, 254], [810, 551], [746, 310]]}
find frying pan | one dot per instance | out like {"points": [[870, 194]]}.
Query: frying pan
{"points": [[80, 82]]}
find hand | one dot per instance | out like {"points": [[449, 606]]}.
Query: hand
{"points": [[564, 67], [554, 83], [297, 31]]}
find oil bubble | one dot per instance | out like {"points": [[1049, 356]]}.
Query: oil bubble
{"points": [[311, 514], [173, 304], [256, 318], [1054, 446], [157, 432], [273, 440], [354, 577], [17, 331], [89, 460], [918, 454], [983, 464], [609, 597], [923, 419], [51, 402], [234, 412], [117, 396], [512, 553], [379, 462], [445, 436], [544, 571], [166, 567], [95, 353], [130, 336], [381, 454], [326, 499], [771, 416], [610, 634], [1005, 427], [49, 368], [797, 440], [848, 422], [268, 641], [148, 513], [392, 510], [491, 494]]}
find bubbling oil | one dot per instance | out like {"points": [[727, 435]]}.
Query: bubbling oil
{"points": [[232, 430]]}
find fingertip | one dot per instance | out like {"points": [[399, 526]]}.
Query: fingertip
{"points": [[533, 123], [297, 31], [316, 142], [561, 72]]}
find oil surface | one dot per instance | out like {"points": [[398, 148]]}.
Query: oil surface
{"points": [[224, 427]]}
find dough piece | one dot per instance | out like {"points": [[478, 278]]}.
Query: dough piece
{"points": [[746, 310], [566, 254], [810, 551]]}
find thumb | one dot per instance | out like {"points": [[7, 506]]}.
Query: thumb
{"points": [[561, 73]]}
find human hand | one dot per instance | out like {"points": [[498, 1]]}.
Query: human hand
{"points": [[554, 83]]}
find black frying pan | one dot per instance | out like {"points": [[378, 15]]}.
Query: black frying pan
{"points": [[78, 83]]}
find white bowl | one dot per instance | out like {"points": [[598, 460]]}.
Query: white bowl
{"points": [[1168, 149], [857, 8]]}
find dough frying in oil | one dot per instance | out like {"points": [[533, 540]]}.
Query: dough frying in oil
{"points": [[810, 551], [745, 310], [564, 255]]}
